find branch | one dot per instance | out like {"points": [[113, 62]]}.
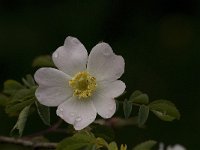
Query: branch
{"points": [[28, 143]]}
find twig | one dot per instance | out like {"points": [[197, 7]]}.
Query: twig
{"points": [[27, 143]]}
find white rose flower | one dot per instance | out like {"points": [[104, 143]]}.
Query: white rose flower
{"points": [[84, 85], [175, 147]]}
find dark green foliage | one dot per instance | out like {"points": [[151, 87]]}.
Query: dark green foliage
{"points": [[139, 97], [81, 140], [127, 107], [43, 61], [19, 126], [44, 112], [143, 115], [165, 110], [148, 145]]}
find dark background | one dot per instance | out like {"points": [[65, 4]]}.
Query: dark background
{"points": [[159, 40]]}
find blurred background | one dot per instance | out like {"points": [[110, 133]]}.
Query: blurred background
{"points": [[159, 40]]}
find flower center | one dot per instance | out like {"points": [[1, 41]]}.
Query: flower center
{"points": [[83, 84]]}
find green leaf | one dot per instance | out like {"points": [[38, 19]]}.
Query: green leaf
{"points": [[77, 141], [44, 112], [165, 110], [112, 146], [13, 109], [11, 86], [19, 100], [100, 142], [29, 81], [143, 115], [103, 131], [91, 147], [117, 105], [139, 98], [24, 94], [127, 107], [19, 126], [3, 100], [145, 145], [43, 61], [135, 94]]}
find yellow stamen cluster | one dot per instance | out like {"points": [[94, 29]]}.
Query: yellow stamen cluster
{"points": [[83, 84]]}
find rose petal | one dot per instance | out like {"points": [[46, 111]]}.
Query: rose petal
{"points": [[105, 106], [113, 89], [52, 96], [53, 86], [79, 113], [103, 64], [72, 57], [51, 77]]}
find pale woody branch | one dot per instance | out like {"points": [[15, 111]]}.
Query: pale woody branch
{"points": [[27, 143]]}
